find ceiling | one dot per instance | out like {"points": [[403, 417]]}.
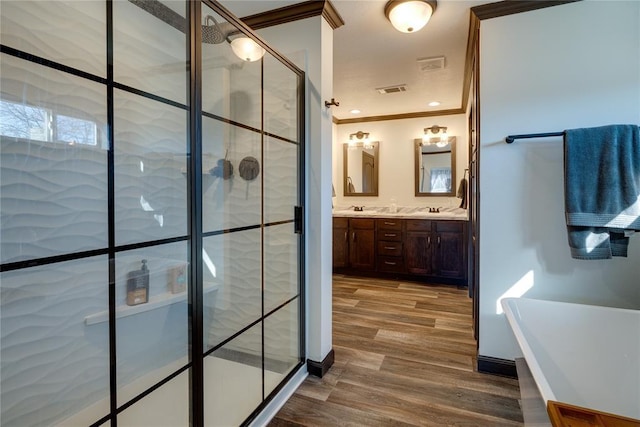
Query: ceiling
{"points": [[369, 54]]}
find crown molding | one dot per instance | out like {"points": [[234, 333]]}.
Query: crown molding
{"points": [[472, 39], [510, 7], [416, 115], [295, 12], [331, 15]]}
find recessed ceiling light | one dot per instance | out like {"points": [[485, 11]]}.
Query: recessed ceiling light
{"points": [[355, 111], [434, 104]]}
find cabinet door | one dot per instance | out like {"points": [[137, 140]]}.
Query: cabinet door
{"points": [[418, 257], [362, 249], [340, 246], [450, 260]]}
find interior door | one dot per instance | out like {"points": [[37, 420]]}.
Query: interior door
{"points": [[368, 176]]}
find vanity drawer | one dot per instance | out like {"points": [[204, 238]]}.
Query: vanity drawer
{"points": [[390, 248], [418, 225], [340, 222], [451, 226], [362, 223], [390, 235], [389, 224], [390, 265]]}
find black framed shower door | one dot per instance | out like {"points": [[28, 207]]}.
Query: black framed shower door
{"points": [[151, 255]]}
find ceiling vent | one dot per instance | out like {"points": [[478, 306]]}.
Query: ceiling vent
{"points": [[392, 89], [430, 64]]}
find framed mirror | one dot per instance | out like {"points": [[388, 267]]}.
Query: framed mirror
{"points": [[360, 171], [435, 167]]}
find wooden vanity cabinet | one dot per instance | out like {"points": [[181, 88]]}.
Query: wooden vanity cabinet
{"points": [[362, 243], [416, 248], [340, 242], [419, 250], [354, 243], [449, 253], [390, 245], [436, 249]]}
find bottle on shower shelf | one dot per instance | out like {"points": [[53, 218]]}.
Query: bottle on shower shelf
{"points": [[138, 285]]}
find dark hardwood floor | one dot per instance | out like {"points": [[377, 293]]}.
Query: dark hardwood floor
{"points": [[404, 356]]}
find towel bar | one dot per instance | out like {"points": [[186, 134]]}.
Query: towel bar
{"points": [[509, 139]]}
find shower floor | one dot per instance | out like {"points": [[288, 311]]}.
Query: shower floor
{"points": [[232, 391]]}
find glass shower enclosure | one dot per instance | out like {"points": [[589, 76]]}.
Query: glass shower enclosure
{"points": [[151, 188]]}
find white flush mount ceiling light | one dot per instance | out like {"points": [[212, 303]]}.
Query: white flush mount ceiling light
{"points": [[409, 16], [246, 49], [355, 111], [434, 104]]}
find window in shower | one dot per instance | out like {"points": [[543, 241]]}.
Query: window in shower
{"points": [[40, 124], [147, 230]]}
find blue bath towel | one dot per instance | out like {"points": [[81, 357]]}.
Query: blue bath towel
{"points": [[602, 189]]}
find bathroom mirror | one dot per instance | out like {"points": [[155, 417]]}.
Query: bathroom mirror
{"points": [[435, 172], [360, 169]]}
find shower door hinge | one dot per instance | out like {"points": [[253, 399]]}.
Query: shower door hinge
{"points": [[297, 219]]}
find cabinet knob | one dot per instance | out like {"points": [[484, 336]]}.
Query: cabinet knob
{"points": [[389, 223], [390, 235], [390, 247], [390, 263], [438, 240]]}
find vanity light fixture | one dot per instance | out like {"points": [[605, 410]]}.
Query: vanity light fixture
{"points": [[358, 137], [429, 139], [409, 16]]}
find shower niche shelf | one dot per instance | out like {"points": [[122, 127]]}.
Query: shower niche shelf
{"points": [[156, 301]]}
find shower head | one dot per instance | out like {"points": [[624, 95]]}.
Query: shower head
{"points": [[212, 34]]}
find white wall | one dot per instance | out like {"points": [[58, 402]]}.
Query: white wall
{"points": [[312, 51], [569, 66], [397, 158]]}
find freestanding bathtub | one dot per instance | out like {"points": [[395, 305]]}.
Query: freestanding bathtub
{"points": [[583, 355]]}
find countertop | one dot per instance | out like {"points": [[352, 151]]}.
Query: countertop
{"points": [[402, 212]]}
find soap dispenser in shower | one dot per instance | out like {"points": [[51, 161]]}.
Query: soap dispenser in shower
{"points": [[138, 285]]}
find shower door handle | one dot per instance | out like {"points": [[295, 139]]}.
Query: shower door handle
{"points": [[297, 219]]}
